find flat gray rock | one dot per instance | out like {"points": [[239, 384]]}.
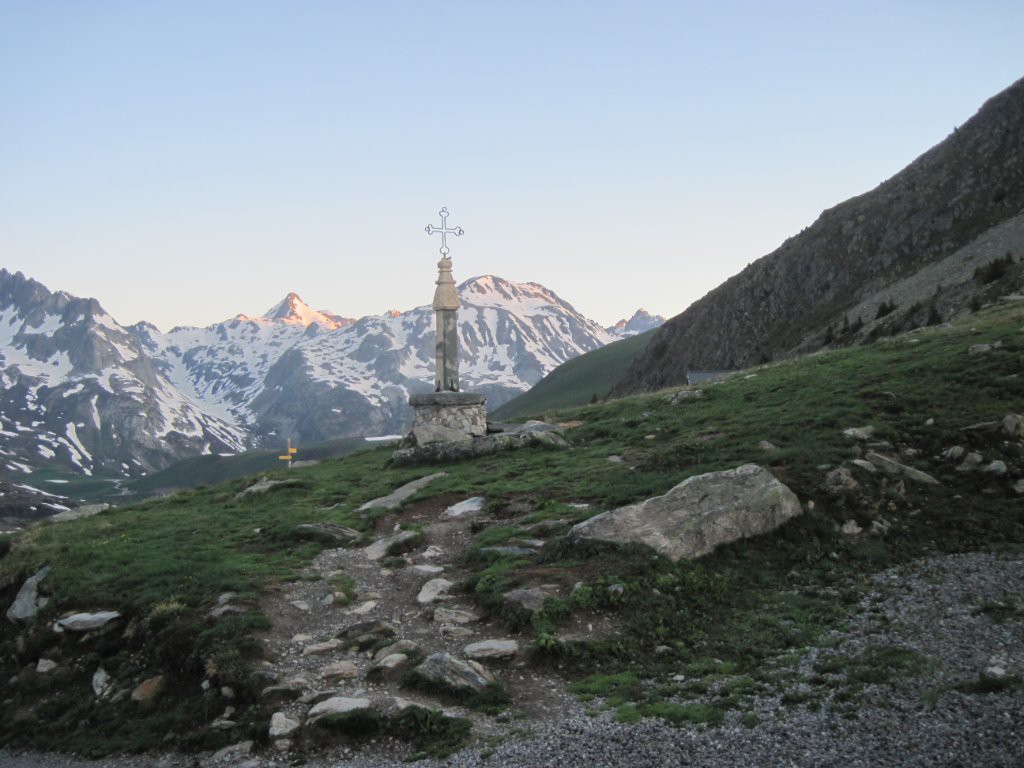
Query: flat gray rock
{"points": [[491, 649], [468, 507], [893, 467], [445, 670], [380, 548], [28, 601], [86, 622], [282, 726], [454, 616], [394, 499], [434, 590], [336, 705], [699, 514], [528, 599]]}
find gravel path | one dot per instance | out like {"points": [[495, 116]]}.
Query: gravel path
{"points": [[930, 607]]}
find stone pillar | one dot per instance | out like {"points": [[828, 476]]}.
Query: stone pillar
{"points": [[446, 307]]}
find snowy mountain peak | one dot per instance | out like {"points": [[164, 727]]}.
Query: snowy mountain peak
{"points": [[641, 321], [292, 309], [493, 291]]}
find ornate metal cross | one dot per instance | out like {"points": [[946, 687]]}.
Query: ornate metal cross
{"points": [[445, 230]]}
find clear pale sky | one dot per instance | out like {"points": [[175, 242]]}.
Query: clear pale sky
{"points": [[187, 161]]}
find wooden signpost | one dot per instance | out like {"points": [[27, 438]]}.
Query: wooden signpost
{"points": [[290, 453]]}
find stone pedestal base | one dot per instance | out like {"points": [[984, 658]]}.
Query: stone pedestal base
{"points": [[463, 412]]}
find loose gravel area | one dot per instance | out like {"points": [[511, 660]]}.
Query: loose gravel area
{"points": [[962, 614]]}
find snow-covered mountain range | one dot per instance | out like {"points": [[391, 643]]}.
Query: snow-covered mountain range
{"points": [[85, 393], [641, 321]]}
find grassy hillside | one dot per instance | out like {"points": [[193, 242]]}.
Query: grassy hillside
{"points": [[578, 381], [681, 627]]}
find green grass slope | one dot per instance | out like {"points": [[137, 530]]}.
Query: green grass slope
{"points": [[723, 622], [577, 381]]}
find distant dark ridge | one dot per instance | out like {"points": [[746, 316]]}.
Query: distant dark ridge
{"points": [[953, 193]]}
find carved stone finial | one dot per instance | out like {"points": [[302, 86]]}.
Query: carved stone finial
{"points": [[445, 296]]}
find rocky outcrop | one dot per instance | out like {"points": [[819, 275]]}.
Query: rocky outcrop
{"points": [[28, 601], [944, 200], [699, 514]]}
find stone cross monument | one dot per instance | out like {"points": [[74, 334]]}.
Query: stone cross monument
{"points": [[447, 414], [446, 308]]}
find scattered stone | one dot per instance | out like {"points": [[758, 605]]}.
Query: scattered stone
{"points": [[101, 683], [468, 507], [615, 459], [28, 601], [408, 647], [427, 570], [387, 665], [340, 670], [1013, 425], [1018, 487], [367, 632], [149, 690], [699, 514], [893, 467], [87, 622], [867, 466], [431, 552], [379, 549], [983, 426], [506, 551], [301, 638], [336, 705], [300, 605], [317, 648], [447, 671], [434, 590], [262, 486], [971, 462], [954, 453], [497, 650], [281, 693], [282, 726], [335, 534], [859, 433], [394, 499], [979, 349], [234, 752], [767, 446], [840, 479], [851, 528], [929, 422], [996, 467], [43, 666], [683, 395], [452, 616], [531, 600]]}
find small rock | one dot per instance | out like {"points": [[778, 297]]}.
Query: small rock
{"points": [[859, 433], [954, 453], [453, 616], [387, 665], [997, 468], [930, 422], [301, 605], [336, 705], [1013, 424], [301, 638], [979, 349], [402, 646], [491, 649], [432, 552], [1018, 487], [867, 466], [363, 609], [531, 600], [971, 462], [101, 683], [367, 632], [445, 670], [851, 528], [148, 690], [767, 446], [282, 726], [839, 480], [893, 467], [262, 486], [434, 590], [379, 549], [86, 622], [43, 666], [318, 648], [468, 507], [28, 601], [427, 570], [233, 752], [616, 459], [395, 498], [684, 394], [343, 670]]}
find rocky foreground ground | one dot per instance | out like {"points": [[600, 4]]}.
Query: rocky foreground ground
{"points": [[963, 614]]}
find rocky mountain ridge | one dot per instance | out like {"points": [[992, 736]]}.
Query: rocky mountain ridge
{"points": [[954, 195], [84, 393]]}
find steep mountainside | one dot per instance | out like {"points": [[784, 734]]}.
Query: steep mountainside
{"points": [[78, 390], [84, 393], [944, 200]]}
